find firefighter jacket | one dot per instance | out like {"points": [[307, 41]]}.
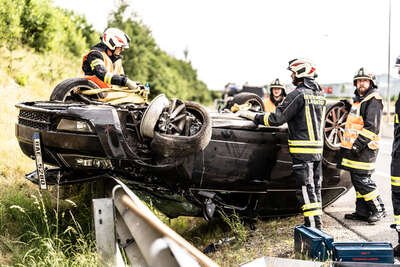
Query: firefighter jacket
{"points": [[360, 141], [303, 109], [396, 141], [104, 70], [395, 166]]}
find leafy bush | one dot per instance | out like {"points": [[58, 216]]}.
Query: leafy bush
{"points": [[10, 28], [39, 25]]}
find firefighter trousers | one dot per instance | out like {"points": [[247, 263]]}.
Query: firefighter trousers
{"points": [[368, 200], [395, 183], [308, 180]]}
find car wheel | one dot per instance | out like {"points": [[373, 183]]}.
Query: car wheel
{"points": [[257, 104], [195, 136], [335, 120], [65, 90]]}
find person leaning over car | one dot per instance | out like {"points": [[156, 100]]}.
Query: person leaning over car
{"points": [[359, 147], [276, 95], [303, 110], [395, 169], [104, 61]]}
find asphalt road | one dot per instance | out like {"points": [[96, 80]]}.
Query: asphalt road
{"points": [[360, 231]]}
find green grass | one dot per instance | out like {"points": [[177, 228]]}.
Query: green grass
{"points": [[35, 229]]}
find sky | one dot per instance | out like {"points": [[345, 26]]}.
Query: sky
{"points": [[252, 40]]}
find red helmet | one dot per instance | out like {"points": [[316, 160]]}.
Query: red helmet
{"points": [[302, 68], [113, 38]]}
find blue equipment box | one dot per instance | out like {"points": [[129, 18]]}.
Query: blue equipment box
{"points": [[312, 242], [374, 252]]}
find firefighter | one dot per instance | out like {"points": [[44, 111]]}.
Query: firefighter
{"points": [[104, 61], [359, 147], [395, 169], [276, 95], [303, 110]]}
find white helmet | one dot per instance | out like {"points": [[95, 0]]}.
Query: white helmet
{"points": [[364, 74], [302, 68], [113, 38], [276, 84]]}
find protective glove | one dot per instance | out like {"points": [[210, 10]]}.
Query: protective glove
{"points": [[140, 86], [246, 114], [355, 149], [131, 84]]}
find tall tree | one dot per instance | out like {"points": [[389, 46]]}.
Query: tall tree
{"points": [[146, 62]]}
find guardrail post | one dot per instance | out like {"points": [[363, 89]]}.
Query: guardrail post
{"points": [[103, 209], [127, 243]]}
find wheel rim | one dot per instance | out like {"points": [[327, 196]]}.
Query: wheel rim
{"points": [[334, 126], [173, 121]]}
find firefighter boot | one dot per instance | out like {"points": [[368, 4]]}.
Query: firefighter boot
{"points": [[377, 211], [356, 217], [396, 249], [313, 221], [318, 222], [362, 211]]}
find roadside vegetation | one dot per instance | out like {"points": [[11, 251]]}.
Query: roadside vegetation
{"points": [[230, 241], [40, 45]]}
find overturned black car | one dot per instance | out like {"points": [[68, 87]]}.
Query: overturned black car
{"points": [[190, 161]]}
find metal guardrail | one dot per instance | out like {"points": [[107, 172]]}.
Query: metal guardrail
{"points": [[124, 225]]}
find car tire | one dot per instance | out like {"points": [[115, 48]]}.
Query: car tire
{"points": [[152, 115], [176, 146], [62, 91], [332, 140], [335, 120], [242, 98]]}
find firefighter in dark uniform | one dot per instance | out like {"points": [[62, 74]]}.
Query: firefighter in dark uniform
{"points": [[360, 145], [303, 109], [276, 95], [103, 64], [395, 169]]}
